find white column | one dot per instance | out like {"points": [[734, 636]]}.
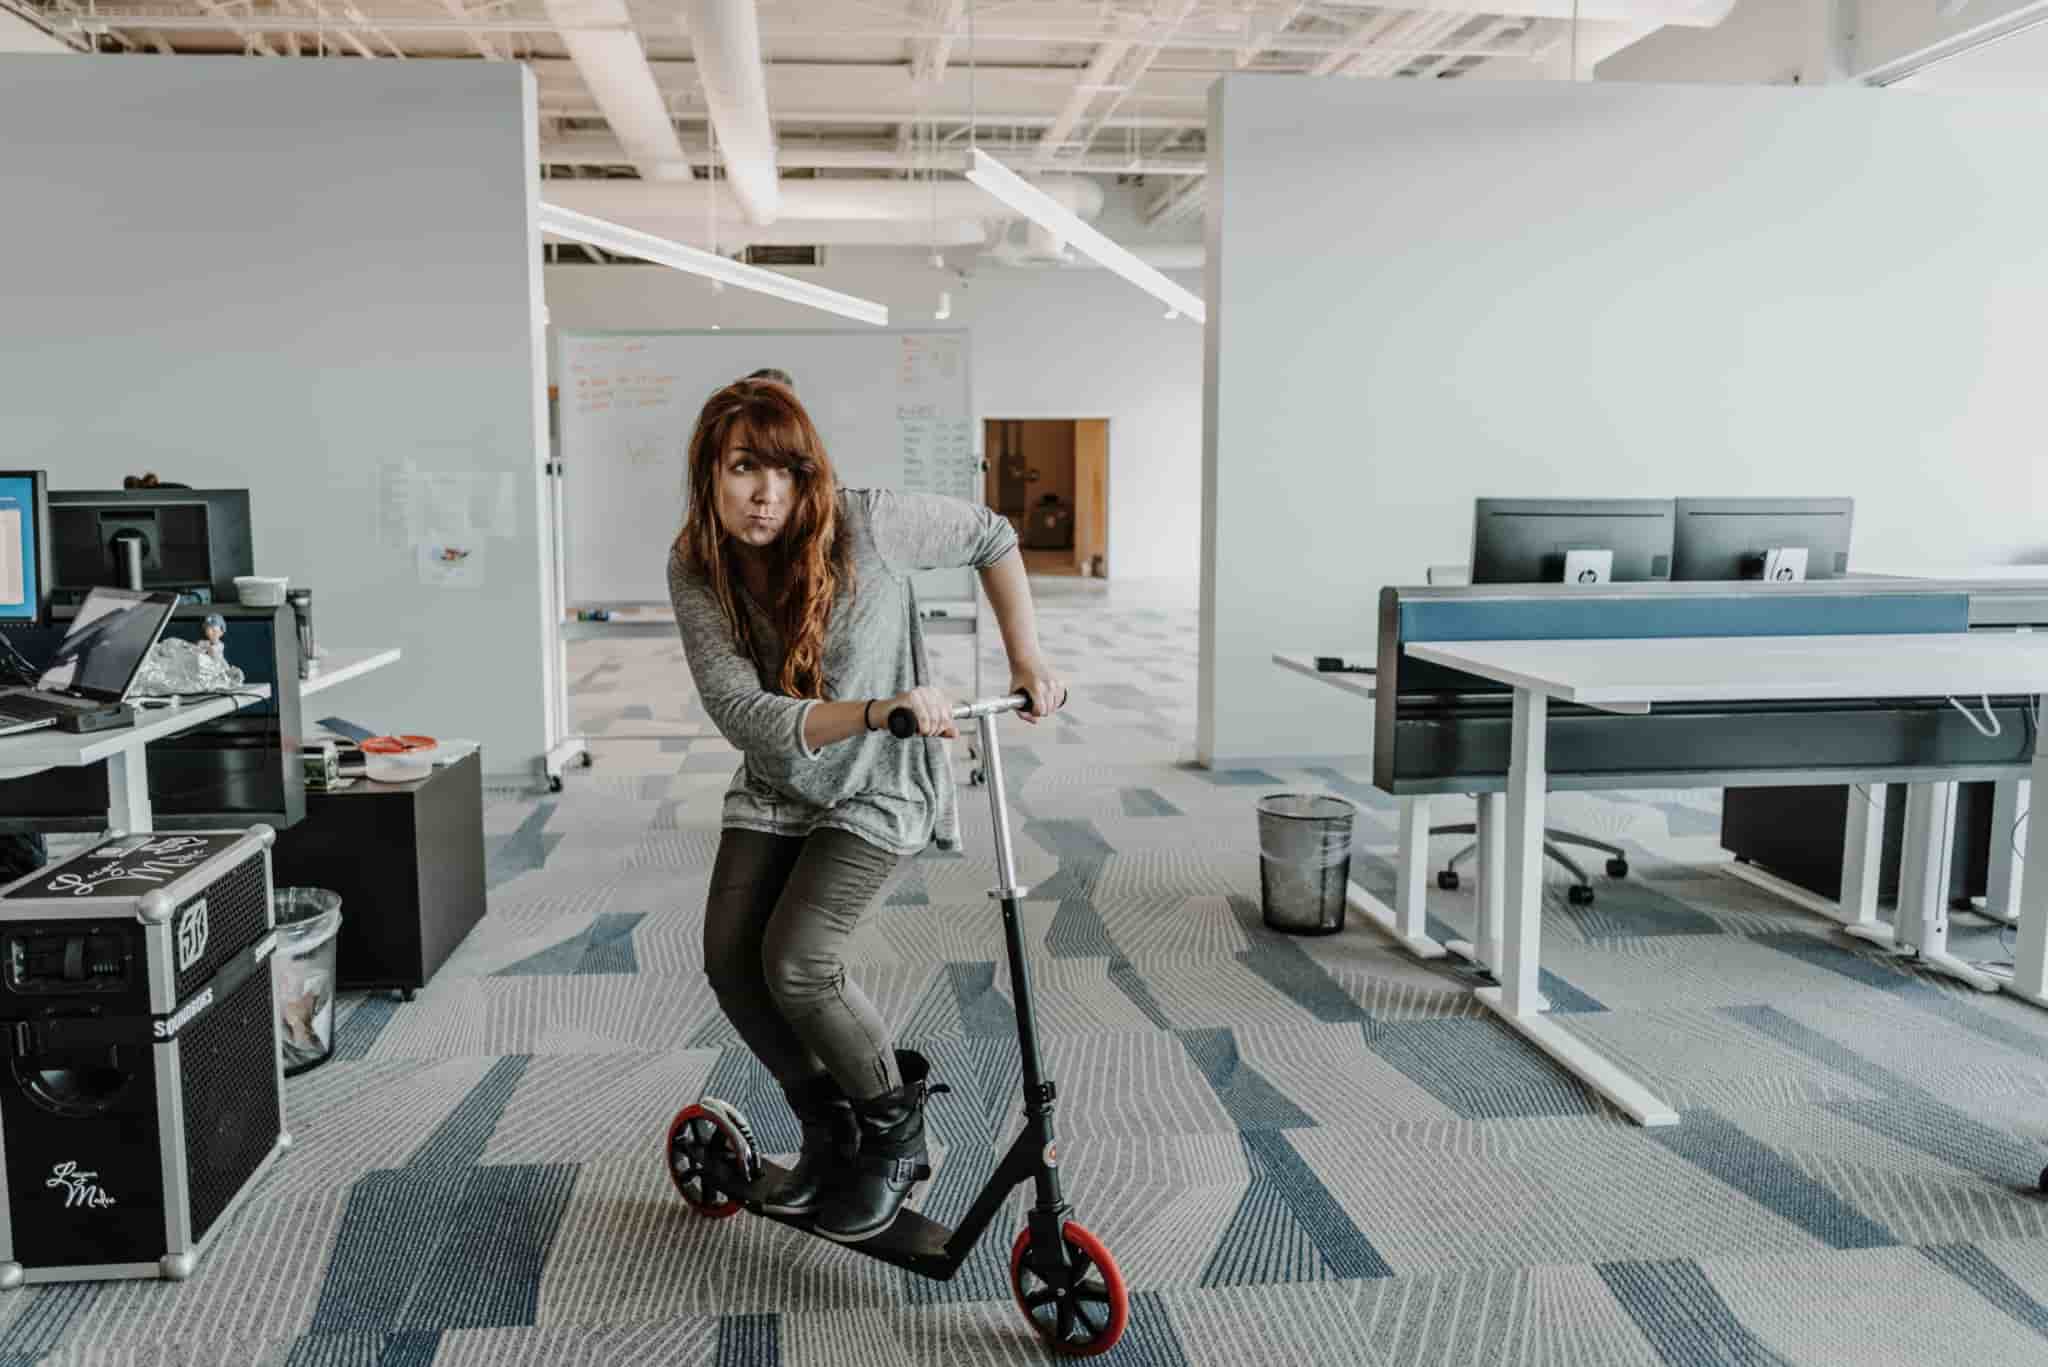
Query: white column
{"points": [[1522, 938], [128, 791]]}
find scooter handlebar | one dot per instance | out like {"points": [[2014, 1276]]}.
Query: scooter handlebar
{"points": [[903, 722]]}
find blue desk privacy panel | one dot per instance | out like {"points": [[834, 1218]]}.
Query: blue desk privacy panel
{"points": [[1763, 613], [1442, 730], [24, 548]]}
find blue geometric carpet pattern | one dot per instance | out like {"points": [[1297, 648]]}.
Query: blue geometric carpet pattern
{"points": [[1300, 1150]]}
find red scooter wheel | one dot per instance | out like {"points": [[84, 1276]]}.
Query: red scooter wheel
{"points": [[1090, 1318], [694, 1136]]}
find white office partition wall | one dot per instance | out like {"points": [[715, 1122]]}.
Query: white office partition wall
{"points": [[1423, 292], [319, 281]]}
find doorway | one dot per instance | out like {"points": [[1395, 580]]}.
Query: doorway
{"points": [[1050, 478]]}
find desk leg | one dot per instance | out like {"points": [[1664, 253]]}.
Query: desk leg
{"points": [[2009, 798], [1409, 923], [1517, 1000], [1863, 858], [128, 792], [2030, 961], [1483, 950], [1920, 927]]}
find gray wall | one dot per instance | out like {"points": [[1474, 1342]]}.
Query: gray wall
{"points": [[278, 275], [1421, 293]]}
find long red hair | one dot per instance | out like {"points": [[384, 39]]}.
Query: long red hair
{"points": [[809, 556]]}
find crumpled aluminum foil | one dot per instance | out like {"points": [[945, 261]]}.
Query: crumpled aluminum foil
{"points": [[182, 667]]}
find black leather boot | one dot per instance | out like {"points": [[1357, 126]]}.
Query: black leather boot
{"points": [[892, 1158], [831, 1136]]}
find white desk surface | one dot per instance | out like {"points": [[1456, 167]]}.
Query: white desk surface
{"points": [[339, 666], [1962, 574], [35, 751], [1616, 674], [1361, 684]]}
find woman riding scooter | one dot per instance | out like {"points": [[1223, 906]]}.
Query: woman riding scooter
{"points": [[793, 599]]}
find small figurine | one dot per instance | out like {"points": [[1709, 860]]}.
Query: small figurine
{"points": [[215, 632]]}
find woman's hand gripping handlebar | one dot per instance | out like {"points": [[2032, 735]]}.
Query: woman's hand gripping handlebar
{"points": [[905, 722]]}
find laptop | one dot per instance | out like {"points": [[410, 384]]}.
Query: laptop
{"points": [[95, 663]]}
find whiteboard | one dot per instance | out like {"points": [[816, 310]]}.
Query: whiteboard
{"points": [[894, 409]]}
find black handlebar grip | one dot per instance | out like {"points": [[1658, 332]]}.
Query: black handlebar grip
{"points": [[902, 723]]}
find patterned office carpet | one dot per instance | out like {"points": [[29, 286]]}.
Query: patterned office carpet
{"points": [[1300, 1150]]}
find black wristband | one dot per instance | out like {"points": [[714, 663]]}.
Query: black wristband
{"points": [[866, 723]]}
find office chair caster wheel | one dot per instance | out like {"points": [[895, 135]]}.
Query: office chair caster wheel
{"points": [[1579, 895], [554, 783], [1448, 880], [702, 1133], [1617, 868], [1087, 1315], [586, 759]]}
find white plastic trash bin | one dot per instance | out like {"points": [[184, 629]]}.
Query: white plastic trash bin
{"points": [[1304, 861], [308, 919]]}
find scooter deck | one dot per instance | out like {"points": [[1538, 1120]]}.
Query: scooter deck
{"points": [[913, 1241]]}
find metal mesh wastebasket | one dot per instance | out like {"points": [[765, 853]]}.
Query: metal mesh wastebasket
{"points": [[1304, 861]]}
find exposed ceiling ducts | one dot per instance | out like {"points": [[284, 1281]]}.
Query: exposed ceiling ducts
{"points": [[608, 55], [725, 35]]}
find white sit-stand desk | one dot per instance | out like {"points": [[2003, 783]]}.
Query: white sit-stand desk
{"points": [[1633, 676], [2009, 796], [1407, 921], [125, 749]]}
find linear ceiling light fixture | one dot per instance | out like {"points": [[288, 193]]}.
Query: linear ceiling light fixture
{"points": [[1049, 214], [616, 237]]}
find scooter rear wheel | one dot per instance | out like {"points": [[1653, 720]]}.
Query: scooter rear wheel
{"points": [[694, 1136], [1090, 1318]]}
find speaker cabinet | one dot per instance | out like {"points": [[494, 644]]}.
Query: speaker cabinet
{"points": [[141, 1093]]}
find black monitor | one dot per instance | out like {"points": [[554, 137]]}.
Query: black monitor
{"points": [[1531, 540], [193, 541], [24, 548], [1732, 538]]}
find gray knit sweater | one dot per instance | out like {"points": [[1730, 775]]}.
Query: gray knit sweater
{"points": [[895, 794]]}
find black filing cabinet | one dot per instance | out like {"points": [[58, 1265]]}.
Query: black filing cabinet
{"points": [[408, 861], [1797, 834]]}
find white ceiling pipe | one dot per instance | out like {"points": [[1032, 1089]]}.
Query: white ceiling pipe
{"points": [[725, 37], [615, 70], [1686, 13], [790, 232], [599, 149], [843, 201], [18, 34]]}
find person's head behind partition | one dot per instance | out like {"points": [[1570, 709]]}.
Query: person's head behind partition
{"points": [[763, 495], [774, 376]]}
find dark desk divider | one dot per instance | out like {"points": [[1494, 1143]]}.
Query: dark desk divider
{"points": [[1440, 730], [233, 772]]}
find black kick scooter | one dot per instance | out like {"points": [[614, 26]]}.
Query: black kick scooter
{"points": [[1063, 1279]]}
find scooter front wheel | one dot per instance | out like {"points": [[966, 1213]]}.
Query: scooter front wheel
{"points": [[697, 1135], [1087, 1315]]}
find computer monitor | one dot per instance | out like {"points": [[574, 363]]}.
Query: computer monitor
{"points": [[1575, 540], [24, 548], [193, 541], [1733, 538]]}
